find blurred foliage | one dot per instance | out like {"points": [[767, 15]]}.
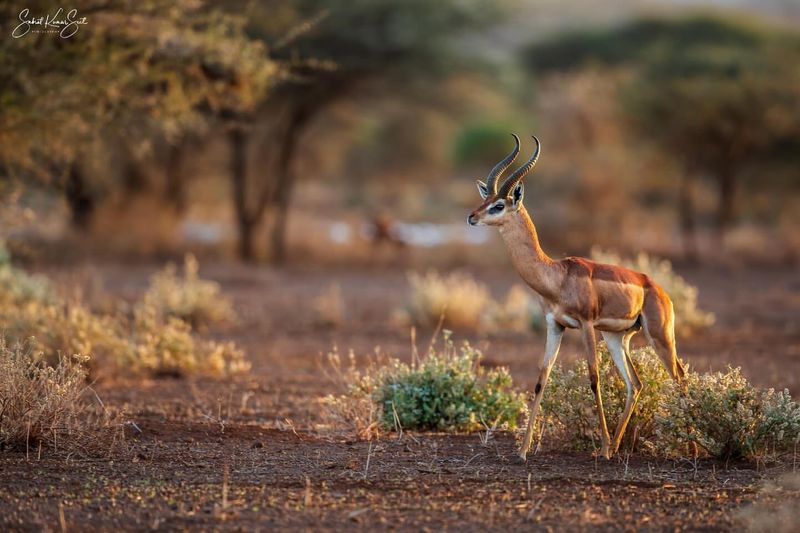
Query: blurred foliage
{"points": [[135, 71], [188, 297], [370, 36], [635, 41], [335, 51], [457, 299], [718, 94], [148, 342], [479, 144]]}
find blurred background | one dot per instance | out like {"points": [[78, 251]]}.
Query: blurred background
{"points": [[352, 131]]}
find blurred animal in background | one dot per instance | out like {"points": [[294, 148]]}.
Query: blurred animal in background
{"points": [[581, 294], [382, 231]]}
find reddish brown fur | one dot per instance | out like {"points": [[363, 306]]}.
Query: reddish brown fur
{"points": [[582, 294]]}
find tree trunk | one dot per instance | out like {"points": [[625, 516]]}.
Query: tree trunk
{"points": [[296, 121], [245, 222], [727, 199], [79, 197], [687, 219], [175, 191]]}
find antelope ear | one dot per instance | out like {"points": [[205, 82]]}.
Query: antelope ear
{"points": [[483, 189], [517, 194]]}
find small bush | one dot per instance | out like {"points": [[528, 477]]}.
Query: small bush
{"points": [[463, 301], [688, 316], [17, 287], [30, 307], [329, 308], [518, 312], [728, 418], [166, 347], [569, 406], [188, 297], [41, 403], [720, 412], [446, 390]]}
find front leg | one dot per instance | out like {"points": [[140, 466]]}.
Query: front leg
{"points": [[590, 343], [554, 334]]}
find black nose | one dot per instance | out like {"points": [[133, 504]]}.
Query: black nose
{"points": [[471, 220]]}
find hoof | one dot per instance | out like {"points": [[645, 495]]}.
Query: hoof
{"points": [[522, 457], [603, 454]]}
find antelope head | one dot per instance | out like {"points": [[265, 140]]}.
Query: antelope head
{"points": [[499, 203]]}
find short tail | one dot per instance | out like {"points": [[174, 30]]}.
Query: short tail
{"points": [[658, 322]]}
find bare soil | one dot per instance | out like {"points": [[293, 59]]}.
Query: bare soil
{"points": [[248, 453]]}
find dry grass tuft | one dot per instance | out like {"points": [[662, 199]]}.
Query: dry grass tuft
{"points": [[42, 404], [188, 297], [329, 307], [519, 312], [150, 340], [463, 301]]}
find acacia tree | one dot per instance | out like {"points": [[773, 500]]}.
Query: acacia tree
{"points": [[136, 71], [346, 47], [719, 95], [719, 110]]}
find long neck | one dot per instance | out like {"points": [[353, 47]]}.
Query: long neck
{"points": [[532, 263]]}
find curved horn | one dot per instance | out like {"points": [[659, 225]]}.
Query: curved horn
{"points": [[499, 168], [520, 173]]}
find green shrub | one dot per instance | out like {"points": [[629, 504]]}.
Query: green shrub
{"points": [[688, 316], [727, 417], [446, 390], [569, 405], [188, 297], [721, 413]]}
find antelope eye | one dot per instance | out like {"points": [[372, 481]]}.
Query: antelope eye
{"points": [[496, 208]]}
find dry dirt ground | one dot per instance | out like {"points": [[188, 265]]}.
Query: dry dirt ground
{"points": [[247, 453]]}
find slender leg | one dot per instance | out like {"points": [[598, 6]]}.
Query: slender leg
{"points": [[594, 376], [626, 345], [554, 334], [616, 345]]}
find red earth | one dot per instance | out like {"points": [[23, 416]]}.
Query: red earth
{"points": [[248, 453]]}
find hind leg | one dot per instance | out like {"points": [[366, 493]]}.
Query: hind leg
{"points": [[617, 343]]}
